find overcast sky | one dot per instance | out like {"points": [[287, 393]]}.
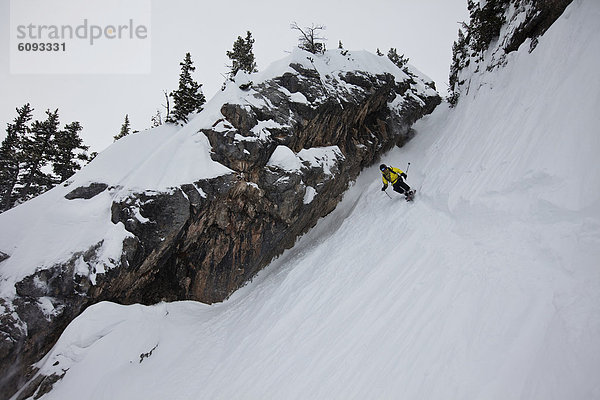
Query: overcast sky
{"points": [[422, 30]]}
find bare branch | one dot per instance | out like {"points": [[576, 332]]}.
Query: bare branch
{"points": [[310, 39], [167, 106]]}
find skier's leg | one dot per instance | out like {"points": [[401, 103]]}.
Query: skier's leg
{"points": [[398, 187], [401, 187]]}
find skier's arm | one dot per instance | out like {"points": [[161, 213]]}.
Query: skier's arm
{"points": [[399, 172]]}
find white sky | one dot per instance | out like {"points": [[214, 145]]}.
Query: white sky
{"points": [[422, 30]]}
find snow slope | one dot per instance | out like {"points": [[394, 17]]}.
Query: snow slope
{"points": [[486, 287]]}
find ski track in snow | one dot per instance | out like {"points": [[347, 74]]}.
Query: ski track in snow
{"points": [[487, 286]]}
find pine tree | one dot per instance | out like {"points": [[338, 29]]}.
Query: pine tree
{"points": [[400, 61], [10, 155], [485, 23], [242, 56], [30, 153], [379, 53], [188, 98], [125, 129], [156, 119], [460, 59], [341, 48], [69, 151], [37, 153]]}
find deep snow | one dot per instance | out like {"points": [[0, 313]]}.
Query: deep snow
{"points": [[486, 287]]}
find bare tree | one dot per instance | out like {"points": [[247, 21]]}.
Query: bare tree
{"points": [[310, 39], [167, 106]]}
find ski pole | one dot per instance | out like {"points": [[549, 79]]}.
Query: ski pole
{"points": [[407, 168], [387, 194]]}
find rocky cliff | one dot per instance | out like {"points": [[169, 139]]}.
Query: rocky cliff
{"points": [[508, 25], [280, 149]]}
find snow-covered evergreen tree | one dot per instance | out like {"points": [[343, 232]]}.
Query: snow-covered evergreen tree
{"points": [[69, 151], [399, 60], [242, 56], [156, 119], [34, 158], [460, 59], [125, 129], [37, 152], [341, 48], [10, 155], [485, 21], [188, 98]]}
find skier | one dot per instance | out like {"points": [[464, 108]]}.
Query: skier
{"points": [[394, 176]]}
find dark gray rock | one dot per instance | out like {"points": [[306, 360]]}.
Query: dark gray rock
{"points": [[86, 192], [540, 17], [242, 118]]}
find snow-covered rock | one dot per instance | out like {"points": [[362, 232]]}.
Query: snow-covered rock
{"points": [[195, 212], [525, 22]]}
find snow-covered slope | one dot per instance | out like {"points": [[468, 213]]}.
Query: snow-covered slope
{"points": [[486, 287]]}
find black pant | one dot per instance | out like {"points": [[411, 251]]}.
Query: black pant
{"points": [[400, 186]]}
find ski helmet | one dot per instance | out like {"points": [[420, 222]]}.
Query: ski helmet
{"points": [[382, 167]]}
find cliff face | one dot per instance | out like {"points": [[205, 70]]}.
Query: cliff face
{"points": [[514, 23], [283, 146], [530, 19], [294, 148]]}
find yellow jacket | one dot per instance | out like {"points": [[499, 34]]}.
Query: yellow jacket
{"points": [[391, 175]]}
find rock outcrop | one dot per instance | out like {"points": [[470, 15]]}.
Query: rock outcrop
{"points": [[518, 22], [539, 16], [293, 141]]}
